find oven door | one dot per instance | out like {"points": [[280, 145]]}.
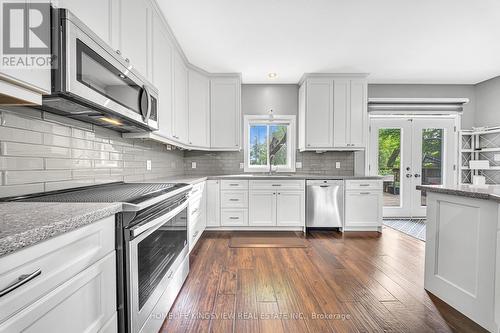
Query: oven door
{"points": [[155, 251], [100, 78]]}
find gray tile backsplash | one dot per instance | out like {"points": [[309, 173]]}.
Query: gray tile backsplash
{"points": [[212, 163], [43, 152]]}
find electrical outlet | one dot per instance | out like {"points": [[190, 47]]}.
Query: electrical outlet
{"points": [[496, 157], [298, 165], [193, 165], [241, 166], [337, 165], [148, 165]]}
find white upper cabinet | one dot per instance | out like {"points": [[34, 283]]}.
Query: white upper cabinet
{"points": [[103, 22], [199, 110], [225, 113], [134, 34], [319, 113], [162, 76], [333, 113], [180, 121], [359, 114], [22, 85]]}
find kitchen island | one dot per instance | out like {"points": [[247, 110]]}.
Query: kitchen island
{"points": [[462, 252]]}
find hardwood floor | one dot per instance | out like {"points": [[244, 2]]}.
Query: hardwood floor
{"points": [[361, 282]]}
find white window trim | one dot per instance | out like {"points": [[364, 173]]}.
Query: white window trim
{"points": [[290, 121]]}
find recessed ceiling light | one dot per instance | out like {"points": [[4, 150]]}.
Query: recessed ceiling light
{"points": [[272, 75]]}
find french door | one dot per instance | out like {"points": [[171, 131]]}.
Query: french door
{"points": [[410, 151]]}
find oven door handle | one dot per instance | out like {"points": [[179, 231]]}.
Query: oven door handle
{"points": [[156, 223]]}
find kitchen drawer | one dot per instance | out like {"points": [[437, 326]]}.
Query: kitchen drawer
{"points": [[234, 217], [198, 189], [359, 184], [234, 185], [196, 230], [58, 259], [196, 207], [234, 199], [84, 303], [277, 184]]}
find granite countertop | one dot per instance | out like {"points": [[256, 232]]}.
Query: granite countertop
{"points": [[486, 192], [196, 179], [24, 224]]}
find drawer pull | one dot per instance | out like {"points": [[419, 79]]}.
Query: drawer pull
{"points": [[194, 211], [23, 279], [234, 184], [364, 192], [194, 191], [196, 234], [170, 275], [234, 218], [234, 199], [276, 185], [364, 184]]}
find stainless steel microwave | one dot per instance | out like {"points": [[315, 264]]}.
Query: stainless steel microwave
{"points": [[93, 83]]}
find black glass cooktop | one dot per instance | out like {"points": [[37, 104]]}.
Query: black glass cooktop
{"points": [[133, 193]]}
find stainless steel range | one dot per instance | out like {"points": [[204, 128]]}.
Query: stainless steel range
{"points": [[151, 245]]}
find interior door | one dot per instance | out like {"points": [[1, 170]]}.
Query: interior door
{"points": [[410, 151], [434, 157]]}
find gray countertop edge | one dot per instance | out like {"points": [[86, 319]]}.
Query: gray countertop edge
{"points": [[193, 179], [461, 191], [34, 232]]}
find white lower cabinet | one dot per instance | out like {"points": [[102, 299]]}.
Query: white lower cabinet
{"points": [[290, 208], [75, 289], [213, 203], [363, 206], [262, 208]]}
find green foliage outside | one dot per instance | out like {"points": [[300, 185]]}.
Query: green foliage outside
{"points": [[277, 150], [389, 150]]}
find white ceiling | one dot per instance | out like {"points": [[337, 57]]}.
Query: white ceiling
{"points": [[396, 41]]}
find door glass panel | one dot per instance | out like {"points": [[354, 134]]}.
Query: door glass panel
{"points": [[99, 75], [278, 144], [432, 158], [258, 145], [389, 164]]}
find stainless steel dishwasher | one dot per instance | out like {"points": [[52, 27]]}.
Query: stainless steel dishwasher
{"points": [[325, 204]]}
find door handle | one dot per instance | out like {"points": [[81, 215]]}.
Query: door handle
{"points": [[416, 175], [409, 175]]}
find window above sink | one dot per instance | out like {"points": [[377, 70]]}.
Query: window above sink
{"points": [[269, 143]]}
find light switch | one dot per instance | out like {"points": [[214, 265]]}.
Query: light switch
{"points": [[298, 165], [148, 165], [241, 166], [496, 157], [193, 165], [337, 165]]}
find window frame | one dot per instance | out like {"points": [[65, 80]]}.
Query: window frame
{"points": [[289, 121]]}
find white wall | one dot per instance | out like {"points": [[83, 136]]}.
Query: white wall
{"points": [[488, 103], [431, 91]]}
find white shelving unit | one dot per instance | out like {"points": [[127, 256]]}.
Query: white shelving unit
{"points": [[480, 144]]}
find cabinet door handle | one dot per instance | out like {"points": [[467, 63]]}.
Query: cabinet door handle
{"points": [[196, 234], [22, 279], [170, 275]]}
